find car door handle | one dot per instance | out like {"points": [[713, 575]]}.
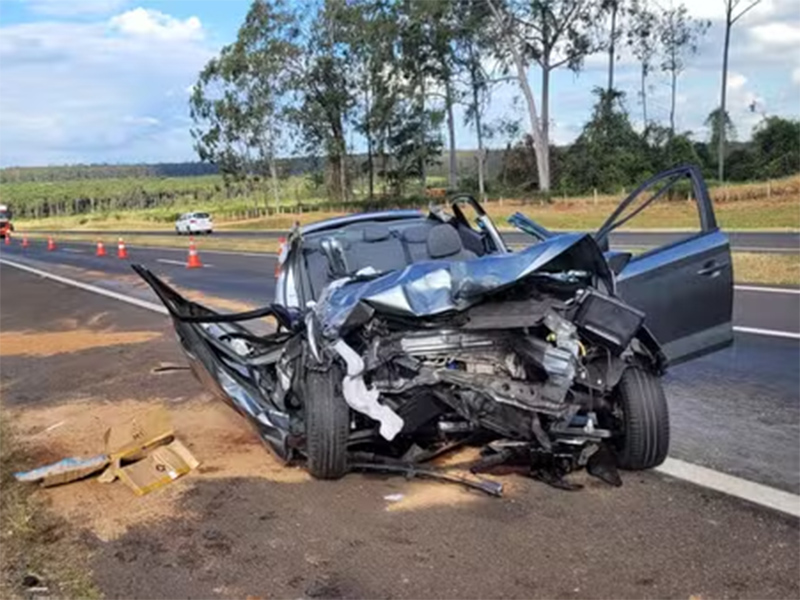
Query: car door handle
{"points": [[710, 269]]}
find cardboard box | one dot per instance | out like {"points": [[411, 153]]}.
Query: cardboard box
{"points": [[129, 440], [142, 452], [161, 466]]}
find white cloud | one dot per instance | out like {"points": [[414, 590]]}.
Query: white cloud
{"points": [[141, 120], [715, 9], [67, 8], [796, 76], [736, 81], [141, 22], [776, 34], [92, 92]]}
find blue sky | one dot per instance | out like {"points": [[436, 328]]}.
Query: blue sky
{"points": [[107, 80]]}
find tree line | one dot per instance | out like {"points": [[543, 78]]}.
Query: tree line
{"points": [[95, 171], [310, 78]]}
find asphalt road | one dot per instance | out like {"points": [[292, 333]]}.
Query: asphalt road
{"points": [[737, 411], [224, 531], [743, 241]]}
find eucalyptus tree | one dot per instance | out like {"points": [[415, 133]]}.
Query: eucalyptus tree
{"points": [[552, 34], [734, 10], [679, 34], [371, 30], [238, 104], [327, 92], [642, 40]]}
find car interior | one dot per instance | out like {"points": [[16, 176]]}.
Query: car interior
{"points": [[383, 247]]}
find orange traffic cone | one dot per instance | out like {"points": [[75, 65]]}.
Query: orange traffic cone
{"points": [[194, 259], [121, 251], [51, 243], [24, 241], [101, 249], [8, 238]]}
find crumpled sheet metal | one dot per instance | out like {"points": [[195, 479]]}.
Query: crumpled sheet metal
{"points": [[431, 288]]}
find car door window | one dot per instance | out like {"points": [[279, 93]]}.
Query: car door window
{"points": [[669, 204]]}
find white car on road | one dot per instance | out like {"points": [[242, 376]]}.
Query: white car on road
{"points": [[198, 222]]}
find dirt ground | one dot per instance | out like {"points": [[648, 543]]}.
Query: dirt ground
{"points": [[244, 525]]}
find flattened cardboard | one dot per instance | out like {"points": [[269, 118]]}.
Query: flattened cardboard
{"points": [[163, 465], [126, 440], [64, 471]]}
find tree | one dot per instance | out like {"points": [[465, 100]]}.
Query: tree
{"points": [[608, 153], [777, 146], [472, 43], [327, 90], [371, 31], [236, 104], [679, 34], [479, 92], [444, 31], [733, 13], [612, 7], [719, 121], [641, 39], [553, 34], [419, 67]]}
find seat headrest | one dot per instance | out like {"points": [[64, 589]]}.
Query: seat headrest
{"points": [[312, 245], [375, 233], [418, 234], [443, 241]]}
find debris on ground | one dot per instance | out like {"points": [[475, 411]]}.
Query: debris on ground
{"points": [[143, 453], [65, 470]]}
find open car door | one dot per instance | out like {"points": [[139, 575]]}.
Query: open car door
{"points": [[685, 288]]}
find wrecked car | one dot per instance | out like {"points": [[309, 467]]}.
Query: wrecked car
{"points": [[402, 335]]}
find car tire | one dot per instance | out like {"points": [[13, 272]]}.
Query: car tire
{"points": [[644, 442], [327, 421]]}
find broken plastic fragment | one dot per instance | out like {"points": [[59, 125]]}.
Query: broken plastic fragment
{"points": [[365, 400]]}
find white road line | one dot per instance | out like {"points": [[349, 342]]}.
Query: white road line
{"points": [[768, 332], [771, 290], [731, 485], [74, 250], [177, 262], [89, 288], [751, 491]]}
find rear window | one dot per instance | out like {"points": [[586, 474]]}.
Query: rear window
{"points": [[202, 216]]}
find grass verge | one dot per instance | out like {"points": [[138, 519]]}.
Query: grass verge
{"points": [[766, 268], [779, 213], [748, 267], [40, 555]]}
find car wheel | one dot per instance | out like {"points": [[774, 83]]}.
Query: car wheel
{"points": [[644, 418], [327, 419]]}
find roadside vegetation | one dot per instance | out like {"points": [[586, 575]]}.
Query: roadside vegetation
{"points": [[40, 555], [772, 204]]}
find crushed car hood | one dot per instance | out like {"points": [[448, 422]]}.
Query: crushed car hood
{"points": [[428, 289]]}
